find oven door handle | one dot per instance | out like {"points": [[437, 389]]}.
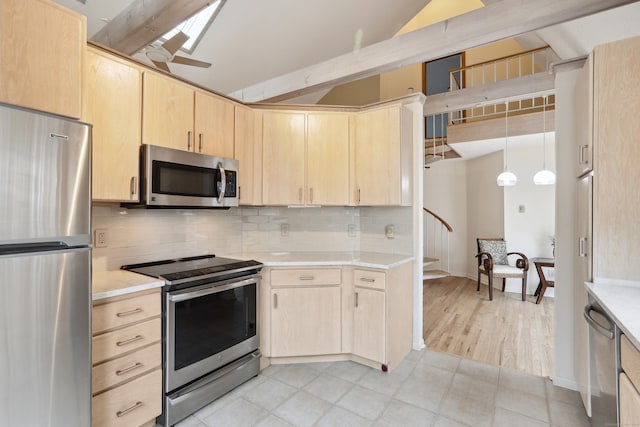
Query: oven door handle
{"points": [[209, 290]]}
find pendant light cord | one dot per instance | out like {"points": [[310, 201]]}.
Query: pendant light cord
{"points": [[506, 133], [544, 132]]}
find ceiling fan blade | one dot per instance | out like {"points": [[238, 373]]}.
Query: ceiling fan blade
{"points": [[174, 43], [162, 66], [188, 61]]}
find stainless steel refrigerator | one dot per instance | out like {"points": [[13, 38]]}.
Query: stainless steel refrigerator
{"points": [[45, 270]]}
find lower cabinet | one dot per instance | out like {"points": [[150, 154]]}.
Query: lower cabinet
{"points": [[127, 360], [343, 313], [629, 394]]}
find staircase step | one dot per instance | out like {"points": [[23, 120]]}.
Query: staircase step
{"points": [[428, 261], [434, 274]]}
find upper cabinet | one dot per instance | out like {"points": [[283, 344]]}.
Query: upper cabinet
{"points": [[113, 100], [584, 116], [167, 112], [306, 158], [42, 46], [381, 157], [213, 125], [248, 152]]}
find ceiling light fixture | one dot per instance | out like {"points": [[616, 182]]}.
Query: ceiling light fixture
{"points": [[544, 176], [506, 178]]}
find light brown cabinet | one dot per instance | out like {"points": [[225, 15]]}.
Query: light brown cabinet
{"points": [[42, 45], [127, 360], [306, 158], [113, 105], [382, 314], [629, 396], [305, 312], [177, 115], [248, 153], [381, 157]]}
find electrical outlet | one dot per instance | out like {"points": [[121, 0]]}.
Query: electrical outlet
{"points": [[351, 230], [389, 231], [284, 229], [101, 238]]}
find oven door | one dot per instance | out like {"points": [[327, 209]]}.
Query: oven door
{"points": [[209, 326]]}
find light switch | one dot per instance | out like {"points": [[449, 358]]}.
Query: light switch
{"points": [[389, 231]]}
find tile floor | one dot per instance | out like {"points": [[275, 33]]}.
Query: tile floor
{"points": [[427, 389]]}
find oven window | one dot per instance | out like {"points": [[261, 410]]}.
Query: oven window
{"points": [[212, 323], [184, 180]]}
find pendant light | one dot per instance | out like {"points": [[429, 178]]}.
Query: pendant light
{"points": [[544, 176], [506, 178]]}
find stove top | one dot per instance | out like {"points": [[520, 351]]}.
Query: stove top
{"points": [[181, 270]]}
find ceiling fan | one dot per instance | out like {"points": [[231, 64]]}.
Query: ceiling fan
{"points": [[166, 52]]}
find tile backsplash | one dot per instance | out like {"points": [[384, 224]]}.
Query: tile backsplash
{"points": [[141, 235]]}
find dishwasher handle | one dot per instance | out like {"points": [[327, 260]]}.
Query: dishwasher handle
{"points": [[607, 332]]}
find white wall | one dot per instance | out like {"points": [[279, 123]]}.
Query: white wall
{"points": [[485, 204], [445, 193], [530, 231]]}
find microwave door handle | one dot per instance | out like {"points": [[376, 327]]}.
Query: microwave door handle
{"points": [[223, 182]]}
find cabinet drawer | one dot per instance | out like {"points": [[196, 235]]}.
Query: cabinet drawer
{"points": [[113, 344], [629, 401], [369, 279], [630, 360], [307, 276], [124, 368], [120, 313], [131, 404]]}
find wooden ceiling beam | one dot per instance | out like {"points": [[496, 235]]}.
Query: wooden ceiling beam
{"points": [[497, 21], [145, 21]]}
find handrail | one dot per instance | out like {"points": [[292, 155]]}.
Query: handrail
{"points": [[499, 59], [439, 218]]}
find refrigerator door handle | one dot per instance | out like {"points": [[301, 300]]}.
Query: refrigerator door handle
{"points": [[22, 248]]}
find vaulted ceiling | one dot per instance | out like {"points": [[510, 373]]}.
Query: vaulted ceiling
{"points": [[252, 41]]}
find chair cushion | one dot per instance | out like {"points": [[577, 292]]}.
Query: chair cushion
{"points": [[497, 249], [500, 270]]}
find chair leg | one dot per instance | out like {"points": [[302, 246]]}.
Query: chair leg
{"points": [[491, 287], [504, 283], [524, 286]]}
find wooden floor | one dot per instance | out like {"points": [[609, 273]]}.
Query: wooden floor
{"points": [[504, 332]]}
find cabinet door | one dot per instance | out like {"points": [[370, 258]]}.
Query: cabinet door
{"points": [[283, 167], [248, 152], [213, 125], [377, 157], [113, 104], [167, 112], [328, 159], [369, 324], [305, 321], [42, 46], [629, 402], [584, 115]]}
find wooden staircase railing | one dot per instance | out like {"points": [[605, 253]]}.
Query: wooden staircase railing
{"points": [[436, 228]]}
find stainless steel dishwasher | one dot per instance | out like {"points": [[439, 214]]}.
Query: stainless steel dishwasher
{"points": [[605, 362]]}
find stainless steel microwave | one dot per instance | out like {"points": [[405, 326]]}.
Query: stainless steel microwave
{"points": [[174, 178]]}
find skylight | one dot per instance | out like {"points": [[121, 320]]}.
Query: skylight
{"points": [[195, 26]]}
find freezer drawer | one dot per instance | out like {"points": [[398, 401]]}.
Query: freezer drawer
{"points": [[45, 187], [45, 339]]}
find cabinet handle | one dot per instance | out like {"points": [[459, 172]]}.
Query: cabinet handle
{"points": [[129, 313], [129, 369], [200, 142], [581, 251], [129, 409], [307, 277], [275, 300], [367, 279], [311, 195], [358, 197], [133, 186], [300, 195], [239, 192], [189, 140], [129, 341], [583, 160], [356, 300]]}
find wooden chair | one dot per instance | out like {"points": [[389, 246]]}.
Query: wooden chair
{"points": [[493, 262]]}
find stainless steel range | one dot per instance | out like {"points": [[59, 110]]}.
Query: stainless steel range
{"points": [[210, 329]]}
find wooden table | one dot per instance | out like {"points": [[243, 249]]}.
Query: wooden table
{"points": [[544, 283]]}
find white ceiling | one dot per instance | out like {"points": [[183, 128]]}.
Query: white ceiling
{"points": [[473, 149]]}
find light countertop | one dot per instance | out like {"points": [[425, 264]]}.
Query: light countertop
{"points": [[106, 284], [621, 300], [303, 259]]}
